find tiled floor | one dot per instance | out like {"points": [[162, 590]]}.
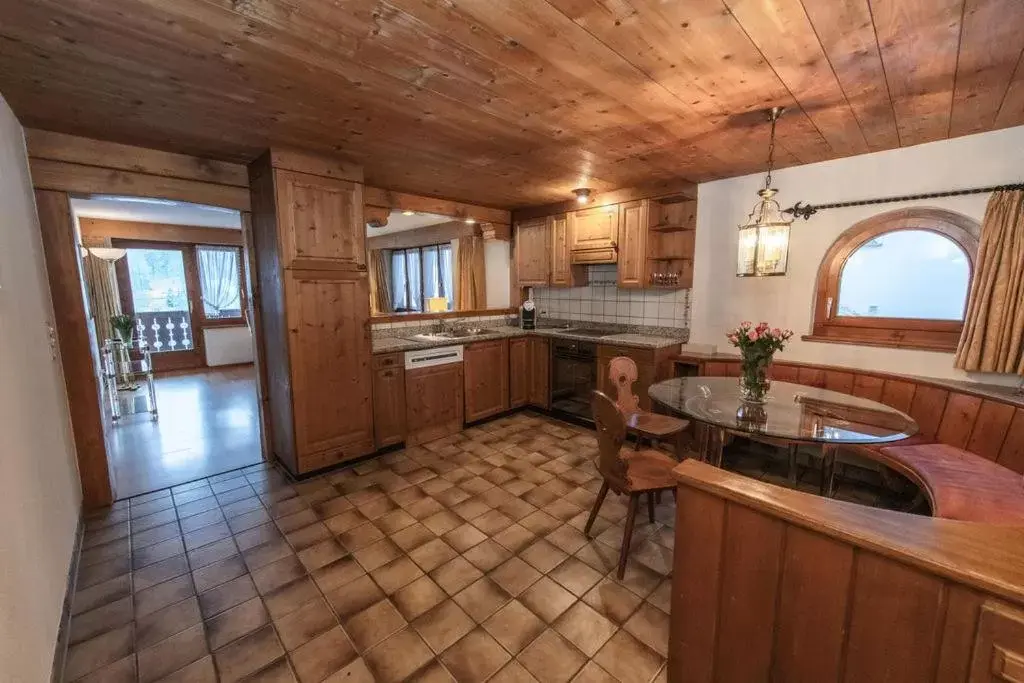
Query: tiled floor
{"points": [[462, 559], [208, 424]]}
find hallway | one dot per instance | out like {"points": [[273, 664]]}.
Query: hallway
{"points": [[208, 424]]}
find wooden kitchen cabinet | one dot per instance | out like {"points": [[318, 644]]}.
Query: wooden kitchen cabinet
{"points": [[433, 402], [539, 383], [563, 272], [518, 372], [485, 365], [594, 234], [632, 243], [671, 242], [308, 237], [388, 399], [533, 262]]}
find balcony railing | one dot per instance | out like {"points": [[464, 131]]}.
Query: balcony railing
{"points": [[165, 331]]}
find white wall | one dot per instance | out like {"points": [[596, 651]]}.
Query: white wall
{"points": [[721, 300], [41, 495], [228, 345], [497, 272]]}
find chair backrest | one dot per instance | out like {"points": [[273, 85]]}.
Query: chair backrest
{"points": [[622, 373], [611, 434]]}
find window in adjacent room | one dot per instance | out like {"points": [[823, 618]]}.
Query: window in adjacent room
{"points": [[220, 282], [419, 274]]}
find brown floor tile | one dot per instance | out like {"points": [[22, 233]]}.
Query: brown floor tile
{"points": [[551, 658], [475, 658], [432, 554], [492, 522], [377, 554], [514, 626], [612, 600], [302, 625], [121, 671], [101, 594], [164, 623], [464, 537], [236, 622], [290, 597], [599, 557], [158, 534], [338, 573], [324, 655], [196, 522], [513, 672], [207, 535], [354, 597], [257, 535], [592, 673], [213, 575], [650, 626], [575, 576], [662, 596], [101, 572], [276, 574], [567, 538], [307, 536], [434, 672], [321, 554], [412, 537], [279, 671], [514, 576], [248, 654], [443, 625], [396, 574], [629, 660], [299, 519], [547, 599], [540, 523], [394, 521], [262, 555], [398, 657], [340, 523], [582, 626], [515, 538], [172, 654], [209, 554], [373, 624], [542, 555], [163, 594], [418, 597], [360, 536], [226, 596], [487, 555], [100, 620], [481, 599], [639, 579], [104, 649], [454, 575]]}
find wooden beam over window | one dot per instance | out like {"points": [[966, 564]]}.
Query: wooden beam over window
{"points": [[159, 232]]}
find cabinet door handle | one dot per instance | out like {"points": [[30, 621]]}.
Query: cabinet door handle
{"points": [[388, 374]]}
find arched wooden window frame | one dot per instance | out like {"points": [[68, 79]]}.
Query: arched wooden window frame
{"points": [[908, 333]]}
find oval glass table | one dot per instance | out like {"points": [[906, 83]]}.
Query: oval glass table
{"points": [[793, 413]]}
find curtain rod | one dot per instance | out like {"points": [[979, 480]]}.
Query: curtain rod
{"points": [[805, 211]]}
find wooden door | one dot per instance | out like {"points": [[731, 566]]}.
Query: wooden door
{"points": [[532, 255], [433, 402], [594, 228], [540, 372], [518, 372], [632, 257], [388, 400], [563, 273], [320, 221], [329, 353], [486, 379]]}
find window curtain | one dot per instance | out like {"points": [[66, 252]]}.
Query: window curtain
{"points": [[993, 336], [470, 291], [380, 292], [218, 274], [104, 296]]}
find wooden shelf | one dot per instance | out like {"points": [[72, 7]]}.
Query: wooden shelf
{"points": [[671, 228]]}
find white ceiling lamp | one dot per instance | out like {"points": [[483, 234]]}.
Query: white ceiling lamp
{"points": [[764, 238], [582, 195], [109, 254]]}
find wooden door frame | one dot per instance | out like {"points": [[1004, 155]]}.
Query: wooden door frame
{"points": [[63, 166]]}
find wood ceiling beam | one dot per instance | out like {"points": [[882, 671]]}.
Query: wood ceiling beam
{"points": [[159, 232], [404, 201]]}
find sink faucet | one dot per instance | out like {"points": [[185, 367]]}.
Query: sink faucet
{"points": [[439, 326]]}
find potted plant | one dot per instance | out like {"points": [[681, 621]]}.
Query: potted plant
{"points": [[757, 345], [124, 326]]}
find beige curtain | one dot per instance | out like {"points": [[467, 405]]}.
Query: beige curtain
{"points": [[470, 286], [993, 336], [104, 297], [380, 292]]}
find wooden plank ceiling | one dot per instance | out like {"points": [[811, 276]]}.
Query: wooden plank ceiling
{"points": [[516, 102]]}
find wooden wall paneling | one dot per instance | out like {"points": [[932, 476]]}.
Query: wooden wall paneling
{"points": [[899, 395], [868, 386], [750, 568], [919, 42], [159, 232], [812, 377], [1012, 453], [812, 609], [696, 585], [63, 269], [958, 634], [958, 419], [912, 604], [839, 381], [784, 373], [927, 408], [990, 429]]}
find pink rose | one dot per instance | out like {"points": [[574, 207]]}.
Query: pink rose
{"points": [[745, 324], [776, 332], [753, 335]]}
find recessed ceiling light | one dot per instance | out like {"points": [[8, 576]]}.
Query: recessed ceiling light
{"points": [[408, 213], [582, 195], [470, 221]]}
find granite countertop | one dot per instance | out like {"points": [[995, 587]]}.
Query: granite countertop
{"points": [[643, 341]]}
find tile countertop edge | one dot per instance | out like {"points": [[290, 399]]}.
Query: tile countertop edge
{"points": [[398, 344]]}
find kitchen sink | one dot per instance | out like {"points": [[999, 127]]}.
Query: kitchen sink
{"points": [[448, 335]]}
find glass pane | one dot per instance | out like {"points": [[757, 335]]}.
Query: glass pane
{"points": [[398, 292], [446, 274], [219, 282], [431, 280], [412, 267], [905, 274], [160, 298]]}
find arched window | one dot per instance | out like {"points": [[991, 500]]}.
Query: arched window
{"points": [[898, 279]]}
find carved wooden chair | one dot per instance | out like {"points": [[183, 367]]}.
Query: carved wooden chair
{"points": [[626, 471], [643, 424]]}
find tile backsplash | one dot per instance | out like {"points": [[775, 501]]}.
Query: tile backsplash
{"points": [[603, 301]]}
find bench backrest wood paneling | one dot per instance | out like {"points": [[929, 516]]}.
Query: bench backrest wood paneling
{"points": [[989, 427]]}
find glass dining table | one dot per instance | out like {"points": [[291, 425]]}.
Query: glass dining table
{"points": [[792, 414]]}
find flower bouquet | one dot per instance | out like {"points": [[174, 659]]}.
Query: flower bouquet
{"points": [[757, 345]]}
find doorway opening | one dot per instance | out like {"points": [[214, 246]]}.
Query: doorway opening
{"points": [[168, 306]]}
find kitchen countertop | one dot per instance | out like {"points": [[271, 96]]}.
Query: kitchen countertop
{"points": [[642, 341]]}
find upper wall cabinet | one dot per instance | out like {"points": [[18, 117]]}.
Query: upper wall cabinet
{"points": [[632, 257], [563, 272], [314, 214], [594, 234], [532, 254]]}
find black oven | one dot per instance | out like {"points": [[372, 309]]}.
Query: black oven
{"points": [[573, 378]]}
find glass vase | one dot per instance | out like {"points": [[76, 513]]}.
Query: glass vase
{"points": [[754, 384]]}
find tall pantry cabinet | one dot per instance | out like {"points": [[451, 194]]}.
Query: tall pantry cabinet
{"points": [[309, 237]]}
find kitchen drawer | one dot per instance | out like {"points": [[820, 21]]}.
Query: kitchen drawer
{"points": [[388, 360], [609, 255]]}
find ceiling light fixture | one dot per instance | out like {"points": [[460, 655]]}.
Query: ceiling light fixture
{"points": [[582, 195], [470, 221], [764, 238], [408, 213], [109, 254]]}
